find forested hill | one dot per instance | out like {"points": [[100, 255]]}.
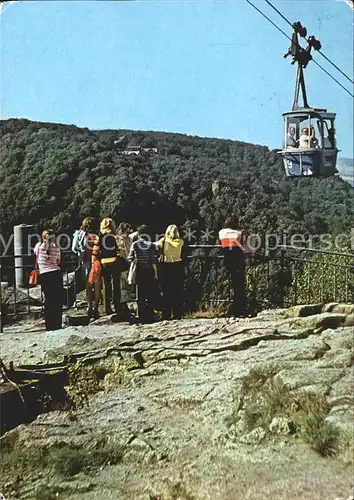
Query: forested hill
{"points": [[57, 174]]}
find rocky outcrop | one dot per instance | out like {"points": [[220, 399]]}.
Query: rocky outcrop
{"points": [[172, 399], [19, 302]]}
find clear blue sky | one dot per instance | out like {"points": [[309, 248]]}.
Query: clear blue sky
{"points": [[208, 68]]}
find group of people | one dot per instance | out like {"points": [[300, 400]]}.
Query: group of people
{"points": [[306, 140], [110, 258], [123, 257]]}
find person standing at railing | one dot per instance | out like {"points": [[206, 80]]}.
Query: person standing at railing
{"points": [[124, 243], [109, 262], [231, 242], [51, 280], [144, 253], [94, 280], [83, 244], [171, 272]]}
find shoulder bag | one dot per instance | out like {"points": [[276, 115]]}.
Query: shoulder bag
{"points": [[34, 275]]}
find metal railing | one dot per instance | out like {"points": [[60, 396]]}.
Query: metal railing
{"points": [[317, 275], [286, 276], [19, 301]]}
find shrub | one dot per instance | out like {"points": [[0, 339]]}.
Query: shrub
{"points": [[263, 397]]}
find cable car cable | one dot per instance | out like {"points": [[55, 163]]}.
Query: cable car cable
{"points": [[322, 54], [268, 19], [333, 64], [280, 14], [288, 37], [331, 76]]}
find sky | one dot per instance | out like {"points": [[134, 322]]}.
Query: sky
{"points": [[210, 68]]}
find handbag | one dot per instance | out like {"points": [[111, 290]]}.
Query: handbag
{"points": [[34, 275], [132, 272]]}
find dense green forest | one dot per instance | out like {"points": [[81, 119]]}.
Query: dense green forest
{"points": [[54, 174]]}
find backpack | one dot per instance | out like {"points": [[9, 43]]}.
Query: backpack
{"points": [[79, 244]]}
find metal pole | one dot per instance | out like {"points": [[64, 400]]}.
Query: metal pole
{"points": [[28, 301], [75, 287], [282, 259], [303, 89], [268, 281], [67, 288], [322, 283], [1, 310], [15, 297], [22, 252], [295, 290], [309, 283], [297, 88]]}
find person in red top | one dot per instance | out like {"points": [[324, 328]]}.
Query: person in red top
{"points": [[94, 280], [231, 242], [84, 242]]}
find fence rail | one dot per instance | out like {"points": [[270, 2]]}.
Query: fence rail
{"points": [[285, 276]]}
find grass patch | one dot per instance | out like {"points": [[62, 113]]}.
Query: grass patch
{"points": [[310, 419], [23, 461], [86, 380], [262, 397], [258, 375], [105, 453], [45, 492], [176, 491], [346, 447], [67, 462], [273, 399], [83, 382], [204, 314], [19, 462]]}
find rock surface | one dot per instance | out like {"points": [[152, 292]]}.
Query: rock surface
{"points": [[170, 392]]}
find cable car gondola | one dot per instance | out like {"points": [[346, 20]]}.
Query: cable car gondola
{"points": [[309, 146]]}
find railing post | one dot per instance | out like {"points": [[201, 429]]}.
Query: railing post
{"points": [[309, 283], [268, 276], [1, 309], [322, 291], [67, 289], [28, 301], [295, 291], [75, 287], [282, 277], [22, 234], [15, 297]]}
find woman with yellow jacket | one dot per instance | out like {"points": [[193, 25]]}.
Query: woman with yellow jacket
{"points": [[172, 276]]}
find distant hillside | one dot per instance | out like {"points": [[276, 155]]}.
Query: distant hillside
{"points": [[55, 175], [345, 167]]}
